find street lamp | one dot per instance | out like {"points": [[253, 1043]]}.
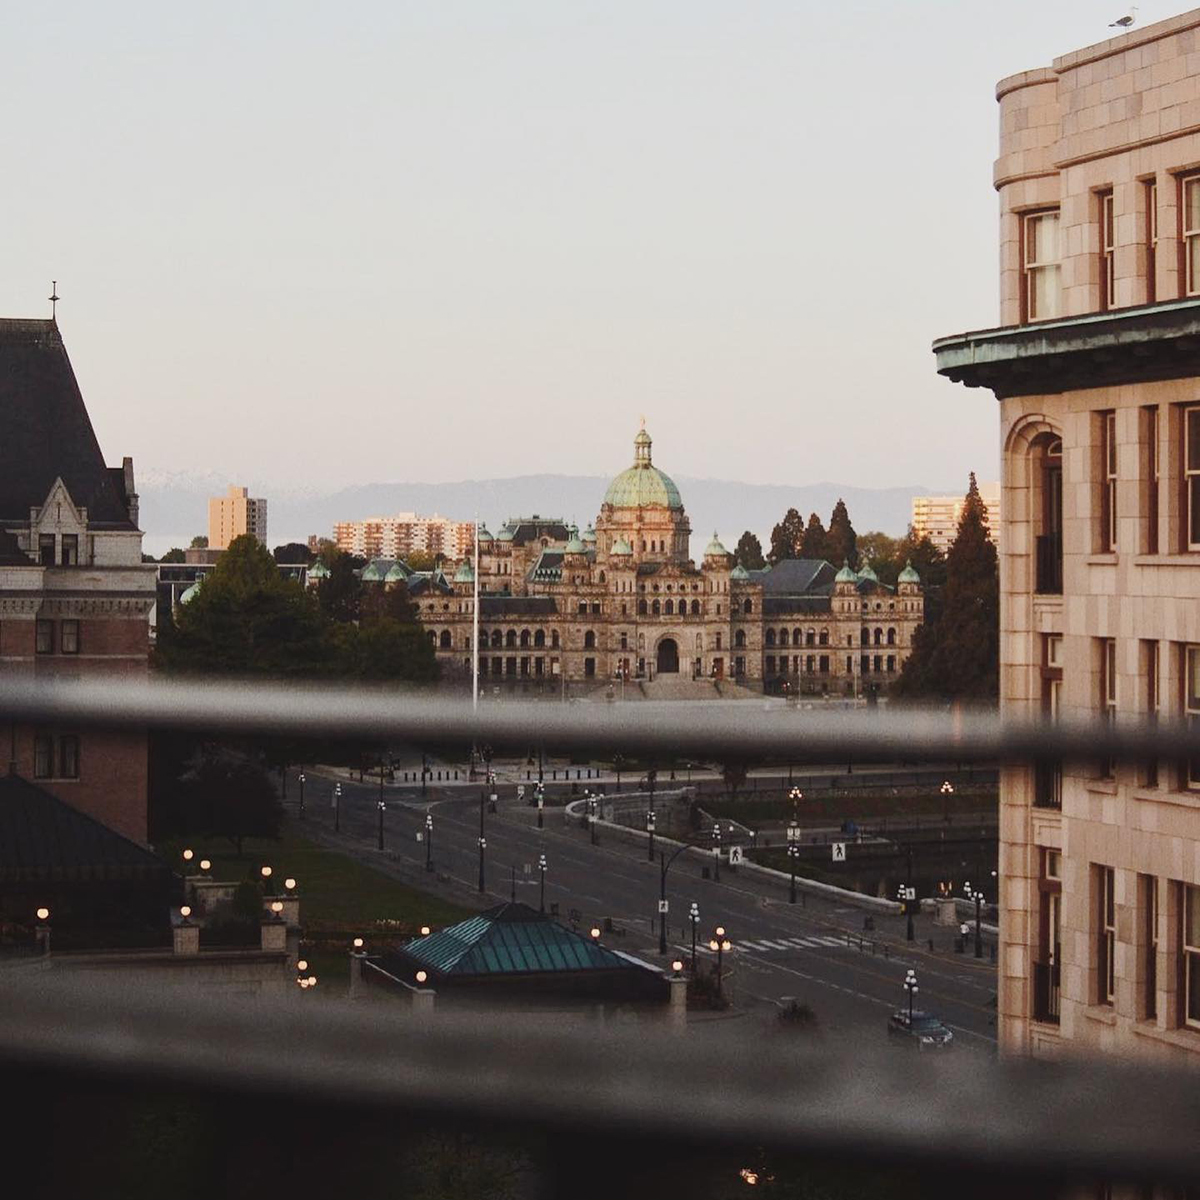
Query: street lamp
{"points": [[947, 790], [337, 808], [482, 849], [591, 804], [906, 905], [539, 791], [910, 986], [301, 794], [542, 871], [721, 945], [429, 841], [977, 896], [665, 864], [716, 837], [382, 808], [694, 917], [650, 831], [793, 853]]}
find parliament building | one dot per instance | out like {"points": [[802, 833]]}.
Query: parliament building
{"points": [[624, 604]]}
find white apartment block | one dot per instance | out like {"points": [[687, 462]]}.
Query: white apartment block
{"points": [[400, 535], [937, 517]]}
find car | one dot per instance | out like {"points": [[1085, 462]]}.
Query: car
{"points": [[924, 1031]]}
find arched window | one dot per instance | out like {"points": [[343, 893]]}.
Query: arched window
{"points": [[432, 638], [783, 637], [810, 638], [589, 640], [770, 637], [539, 638], [525, 639], [824, 638], [864, 637], [497, 639], [641, 608], [602, 578], [891, 637], [669, 608], [748, 606], [879, 637], [656, 608], [739, 639], [445, 639], [510, 639], [798, 637], [695, 608], [554, 639]]}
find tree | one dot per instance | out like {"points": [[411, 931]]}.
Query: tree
{"points": [[293, 552], [174, 555], [957, 656], [749, 552], [340, 593], [880, 551], [424, 560], [927, 560], [842, 540], [388, 601], [383, 648], [785, 537], [815, 543], [199, 542], [232, 797]]}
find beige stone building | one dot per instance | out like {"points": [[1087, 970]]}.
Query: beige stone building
{"points": [[400, 535], [623, 604], [1097, 370], [937, 517], [233, 515]]}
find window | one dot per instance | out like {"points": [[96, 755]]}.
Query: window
{"points": [[783, 637], [739, 639], [1107, 292], [1191, 708], [589, 667], [1107, 939], [1148, 889], [641, 608], [1150, 459], [1040, 269], [68, 757], [539, 638], [695, 608], [747, 607], [891, 664], [45, 637], [1150, 673], [43, 756], [1191, 474], [1108, 492], [1189, 219], [770, 664], [656, 608], [718, 642], [525, 636], [589, 640], [582, 607], [824, 638], [1108, 693], [891, 637], [1151, 200], [70, 549], [554, 639], [669, 608], [46, 549], [510, 639], [69, 637], [444, 641], [1191, 955], [770, 637], [595, 608], [824, 664]]}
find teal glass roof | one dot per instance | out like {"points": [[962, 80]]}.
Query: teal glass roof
{"points": [[643, 483], [318, 570], [739, 573], [397, 574]]}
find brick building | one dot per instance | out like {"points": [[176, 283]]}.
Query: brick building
{"points": [[1097, 371], [74, 596]]}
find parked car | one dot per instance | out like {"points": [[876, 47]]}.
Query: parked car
{"points": [[924, 1031]]}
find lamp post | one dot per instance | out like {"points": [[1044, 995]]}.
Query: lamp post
{"points": [[591, 804], [337, 808], [694, 917], [302, 795], [482, 842], [910, 986], [542, 871], [650, 832], [664, 866], [793, 853], [720, 944], [906, 908], [382, 808], [947, 790], [716, 837], [429, 841], [909, 896], [977, 896], [539, 792]]}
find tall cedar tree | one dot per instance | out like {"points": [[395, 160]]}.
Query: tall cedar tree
{"points": [[843, 542], [815, 543], [785, 537], [880, 551], [749, 552], [957, 656]]}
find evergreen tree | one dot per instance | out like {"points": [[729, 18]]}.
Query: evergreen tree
{"points": [[749, 552], [927, 560], [957, 656], [880, 551], [340, 593], [786, 537], [842, 540], [815, 543]]}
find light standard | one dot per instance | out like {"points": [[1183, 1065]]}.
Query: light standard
{"points": [[793, 853], [977, 896], [910, 986], [947, 790], [302, 795], [716, 837], [905, 904], [720, 944], [665, 865], [337, 808], [382, 807], [539, 792], [591, 804], [694, 917], [482, 842], [650, 832], [429, 841], [542, 870]]}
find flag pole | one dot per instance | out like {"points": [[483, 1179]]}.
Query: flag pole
{"points": [[475, 626]]}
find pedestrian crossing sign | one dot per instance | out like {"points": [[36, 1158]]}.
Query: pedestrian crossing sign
{"points": [[735, 856], [839, 851]]}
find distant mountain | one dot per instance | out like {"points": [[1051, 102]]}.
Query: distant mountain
{"points": [[175, 507]]}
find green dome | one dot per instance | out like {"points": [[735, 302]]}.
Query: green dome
{"points": [[484, 536], [189, 594], [739, 573], [575, 546], [715, 547], [464, 574], [866, 575], [398, 574], [505, 535], [374, 572], [846, 574], [908, 575], [643, 483], [318, 570], [622, 547], [589, 535]]}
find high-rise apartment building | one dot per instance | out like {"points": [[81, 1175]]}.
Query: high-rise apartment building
{"points": [[1097, 371], [937, 517], [75, 597], [398, 536], [233, 515]]}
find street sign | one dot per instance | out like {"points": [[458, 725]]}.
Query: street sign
{"points": [[735, 856], [910, 893], [520, 791], [420, 836], [662, 906], [839, 851]]}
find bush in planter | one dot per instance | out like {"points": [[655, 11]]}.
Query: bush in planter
{"points": [[797, 1015], [702, 992]]}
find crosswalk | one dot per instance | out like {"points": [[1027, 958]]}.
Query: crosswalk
{"points": [[785, 945]]}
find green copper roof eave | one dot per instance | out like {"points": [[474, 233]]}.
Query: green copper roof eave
{"points": [[1123, 346], [643, 486]]}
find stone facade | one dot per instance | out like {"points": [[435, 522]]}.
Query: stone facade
{"points": [[1099, 382], [623, 602]]}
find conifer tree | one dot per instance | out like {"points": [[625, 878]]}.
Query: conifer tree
{"points": [[815, 543], [842, 540], [785, 537], [749, 552]]}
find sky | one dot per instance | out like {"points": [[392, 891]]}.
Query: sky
{"points": [[307, 245]]}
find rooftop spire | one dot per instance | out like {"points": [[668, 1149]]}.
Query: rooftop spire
{"points": [[641, 447], [53, 298]]}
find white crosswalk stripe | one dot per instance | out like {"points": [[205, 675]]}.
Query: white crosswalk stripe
{"points": [[780, 945]]}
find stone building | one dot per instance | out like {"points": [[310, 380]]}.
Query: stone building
{"points": [[1097, 372], [74, 596], [622, 603]]}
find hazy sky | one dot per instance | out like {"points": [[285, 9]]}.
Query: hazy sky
{"points": [[303, 243]]}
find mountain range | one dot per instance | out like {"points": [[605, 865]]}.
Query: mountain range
{"points": [[174, 507]]}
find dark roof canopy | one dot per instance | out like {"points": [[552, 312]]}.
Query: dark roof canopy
{"points": [[796, 577], [47, 431]]}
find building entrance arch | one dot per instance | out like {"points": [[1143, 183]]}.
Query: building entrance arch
{"points": [[668, 657]]}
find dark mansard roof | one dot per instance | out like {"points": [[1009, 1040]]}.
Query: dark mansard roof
{"points": [[45, 431]]}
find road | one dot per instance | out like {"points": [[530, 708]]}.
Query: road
{"points": [[809, 951]]}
